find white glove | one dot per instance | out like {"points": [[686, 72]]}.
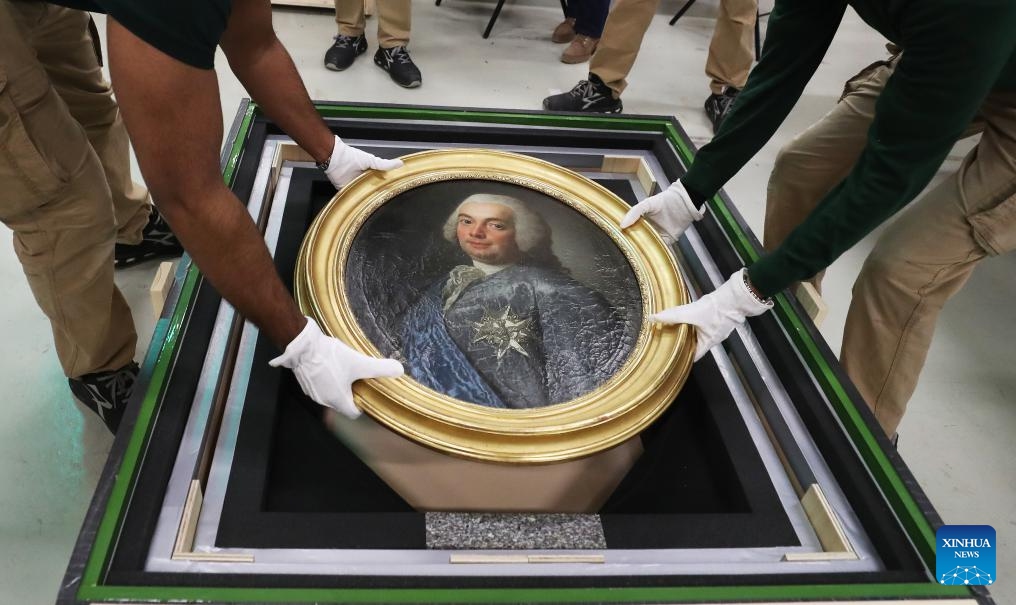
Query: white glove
{"points": [[716, 314], [347, 163], [326, 368], [671, 211]]}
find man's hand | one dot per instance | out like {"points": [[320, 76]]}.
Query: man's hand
{"points": [[348, 162], [671, 211], [326, 368], [716, 314]]}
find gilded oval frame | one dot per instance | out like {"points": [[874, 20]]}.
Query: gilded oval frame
{"points": [[638, 393]]}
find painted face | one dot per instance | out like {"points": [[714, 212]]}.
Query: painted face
{"points": [[486, 232]]}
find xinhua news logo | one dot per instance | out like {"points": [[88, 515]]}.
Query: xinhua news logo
{"points": [[965, 554]]}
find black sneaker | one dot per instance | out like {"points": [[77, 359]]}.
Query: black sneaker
{"points": [[399, 65], [106, 393], [157, 241], [718, 106], [344, 51], [590, 95]]}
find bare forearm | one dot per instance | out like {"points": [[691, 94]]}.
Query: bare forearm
{"points": [[173, 115], [267, 71], [222, 239]]}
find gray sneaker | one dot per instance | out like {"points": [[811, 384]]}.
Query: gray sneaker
{"points": [[106, 393], [718, 106], [399, 65], [591, 96], [344, 51], [157, 241]]}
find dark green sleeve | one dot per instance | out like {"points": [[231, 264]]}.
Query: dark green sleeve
{"points": [[953, 55], [797, 38]]}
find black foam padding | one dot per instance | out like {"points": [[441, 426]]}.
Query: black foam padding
{"points": [[700, 482]]}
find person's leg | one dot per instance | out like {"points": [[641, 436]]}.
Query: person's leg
{"points": [[923, 259], [350, 42], [349, 17], [731, 53], [619, 44], [56, 200], [393, 22], [394, 19], [63, 45], [815, 161], [732, 49], [565, 30], [590, 17]]}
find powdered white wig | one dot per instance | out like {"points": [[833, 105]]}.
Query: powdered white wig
{"points": [[531, 231]]}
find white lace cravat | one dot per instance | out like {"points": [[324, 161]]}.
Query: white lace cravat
{"points": [[459, 279]]}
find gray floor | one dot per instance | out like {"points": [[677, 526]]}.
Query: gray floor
{"points": [[957, 436]]}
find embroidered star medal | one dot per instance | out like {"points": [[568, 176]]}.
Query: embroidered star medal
{"points": [[504, 332]]}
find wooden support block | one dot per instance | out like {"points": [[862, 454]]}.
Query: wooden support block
{"points": [[646, 178], [820, 556], [188, 520], [823, 521], [626, 164], [620, 163], [813, 303], [285, 152], [835, 546], [290, 152], [183, 548], [215, 557], [161, 283]]}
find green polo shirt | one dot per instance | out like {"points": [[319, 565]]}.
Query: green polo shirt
{"points": [[187, 30], [955, 52]]}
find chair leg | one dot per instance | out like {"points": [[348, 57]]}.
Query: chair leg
{"points": [[493, 18], [564, 7], [437, 2], [682, 11]]}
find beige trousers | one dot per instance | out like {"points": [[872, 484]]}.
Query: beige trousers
{"points": [[731, 51], [394, 18], [67, 193], [923, 258]]}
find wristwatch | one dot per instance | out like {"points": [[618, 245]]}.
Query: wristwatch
{"points": [[324, 165]]}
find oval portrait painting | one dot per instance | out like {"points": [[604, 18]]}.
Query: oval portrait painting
{"points": [[493, 293]]}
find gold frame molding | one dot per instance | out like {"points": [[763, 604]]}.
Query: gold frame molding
{"points": [[636, 395]]}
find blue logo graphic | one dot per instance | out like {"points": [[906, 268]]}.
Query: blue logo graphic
{"points": [[965, 554]]}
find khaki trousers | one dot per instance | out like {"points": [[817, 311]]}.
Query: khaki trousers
{"points": [[731, 51], [923, 258], [67, 193], [394, 18]]}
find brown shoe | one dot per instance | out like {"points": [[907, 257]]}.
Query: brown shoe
{"points": [[580, 49], [564, 32]]}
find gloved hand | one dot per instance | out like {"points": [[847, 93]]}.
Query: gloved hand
{"points": [[671, 211], [348, 162], [326, 368], [716, 314]]}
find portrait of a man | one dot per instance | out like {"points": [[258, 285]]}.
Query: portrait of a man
{"points": [[511, 329], [479, 306]]}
